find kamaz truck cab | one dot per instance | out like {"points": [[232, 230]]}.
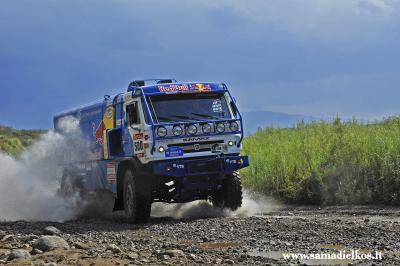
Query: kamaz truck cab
{"points": [[164, 142]]}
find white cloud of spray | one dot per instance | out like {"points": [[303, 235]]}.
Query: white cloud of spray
{"points": [[253, 204], [28, 185]]}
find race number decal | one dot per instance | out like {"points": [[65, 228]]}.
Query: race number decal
{"points": [[111, 173], [138, 147]]}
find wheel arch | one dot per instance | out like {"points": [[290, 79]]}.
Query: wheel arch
{"points": [[121, 169]]}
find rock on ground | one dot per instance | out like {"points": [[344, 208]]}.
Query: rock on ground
{"points": [[174, 253], [46, 243], [51, 230], [114, 248], [19, 254], [254, 240]]}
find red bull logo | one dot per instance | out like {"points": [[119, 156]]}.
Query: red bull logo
{"points": [[201, 87], [173, 88], [98, 133]]}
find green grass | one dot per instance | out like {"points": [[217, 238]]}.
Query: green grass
{"points": [[13, 141], [326, 163]]}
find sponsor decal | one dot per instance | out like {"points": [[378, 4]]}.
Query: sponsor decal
{"points": [[109, 112], [217, 106], [231, 161], [178, 166], [128, 96], [138, 136], [174, 152], [86, 114], [111, 173], [196, 139], [106, 123], [98, 132], [173, 88], [200, 87], [138, 146]]}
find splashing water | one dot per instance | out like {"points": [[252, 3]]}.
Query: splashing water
{"points": [[253, 204], [28, 185]]}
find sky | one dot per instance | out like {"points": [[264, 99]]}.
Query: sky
{"points": [[311, 57]]}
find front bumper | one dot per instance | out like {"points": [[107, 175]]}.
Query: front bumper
{"points": [[203, 166]]}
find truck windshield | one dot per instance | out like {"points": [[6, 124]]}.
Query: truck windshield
{"points": [[188, 107]]}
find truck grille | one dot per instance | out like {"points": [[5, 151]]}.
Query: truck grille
{"points": [[191, 147], [204, 166]]}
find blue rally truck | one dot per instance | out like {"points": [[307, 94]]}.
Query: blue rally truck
{"points": [[160, 141]]}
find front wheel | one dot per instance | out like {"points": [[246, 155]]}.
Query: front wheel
{"points": [[70, 186], [137, 200], [230, 196]]}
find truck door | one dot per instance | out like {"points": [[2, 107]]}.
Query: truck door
{"points": [[135, 125]]}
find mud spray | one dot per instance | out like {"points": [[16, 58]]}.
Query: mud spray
{"points": [[28, 185], [253, 204]]}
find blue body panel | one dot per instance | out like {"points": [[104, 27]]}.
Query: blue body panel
{"points": [[180, 88], [100, 171], [201, 166]]}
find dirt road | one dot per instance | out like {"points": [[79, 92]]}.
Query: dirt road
{"points": [[255, 240]]}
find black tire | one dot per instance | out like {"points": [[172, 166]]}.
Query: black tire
{"points": [[231, 194], [137, 200], [69, 186], [87, 204]]}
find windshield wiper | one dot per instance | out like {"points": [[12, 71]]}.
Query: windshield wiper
{"points": [[205, 116]]}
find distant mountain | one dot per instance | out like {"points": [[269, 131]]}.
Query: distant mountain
{"points": [[253, 120]]}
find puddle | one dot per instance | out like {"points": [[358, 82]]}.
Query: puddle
{"points": [[271, 254], [215, 245], [278, 256], [326, 262]]}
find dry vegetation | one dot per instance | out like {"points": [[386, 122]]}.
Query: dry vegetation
{"points": [[327, 163], [13, 141]]}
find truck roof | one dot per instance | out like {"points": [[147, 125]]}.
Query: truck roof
{"points": [[154, 89], [186, 87]]}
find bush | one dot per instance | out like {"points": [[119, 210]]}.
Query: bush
{"points": [[329, 163], [13, 141]]}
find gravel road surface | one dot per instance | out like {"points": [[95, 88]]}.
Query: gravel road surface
{"points": [[208, 238]]}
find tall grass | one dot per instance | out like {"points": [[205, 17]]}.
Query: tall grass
{"points": [[331, 163]]}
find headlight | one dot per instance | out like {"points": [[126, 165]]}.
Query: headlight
{"points": [[206, 128], [234, 126], [161, 149], [177, 130], [230, 143], [161, 131], [220, 127], [192, 129]]}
